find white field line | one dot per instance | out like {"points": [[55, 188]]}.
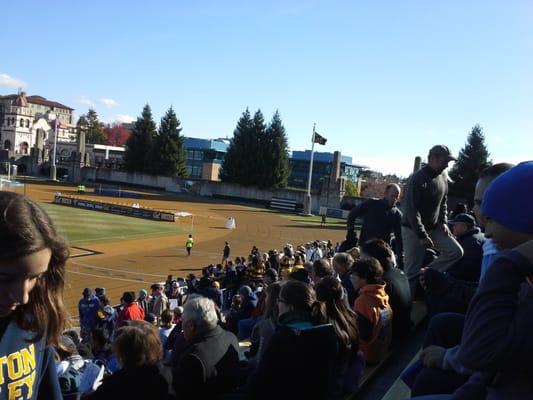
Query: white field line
{"points": [[167, 233], [116, 270], [107, 277]]}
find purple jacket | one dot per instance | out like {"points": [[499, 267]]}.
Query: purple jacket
{"points": [[497, 337]]}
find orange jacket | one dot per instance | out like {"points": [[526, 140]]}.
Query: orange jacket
{"points": [[373, 304]]}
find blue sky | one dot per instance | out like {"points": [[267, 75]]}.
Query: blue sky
{"points": [[383, 81]]}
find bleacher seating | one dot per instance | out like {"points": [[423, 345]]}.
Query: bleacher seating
{"points": [[283, 204]]}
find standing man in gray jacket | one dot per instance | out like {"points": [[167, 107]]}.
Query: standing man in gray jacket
{"points": [[424, 222]]}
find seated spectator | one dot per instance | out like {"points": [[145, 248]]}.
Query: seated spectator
{"points": [[286, 261], [298, 260], [232, 319], [396, 287], [143, 300], [342, 262], [249, 302], [166, 326], [497, 339], [131, 310], [471, 240], [267, 325], [349, 368], [273, 259], [373, 309], [445, 290], [321, 269], [178, 312], [316, 252], [174, 334], [101, 347], [107, 316], [207, 289], [175, 292], [299, 362], [151, 318], [168, 284], [84, 349], [270, 276], [159, 301], [70, 366], [299, 274], [245, 318], [256, 268], [138, 349], [208, 365]]}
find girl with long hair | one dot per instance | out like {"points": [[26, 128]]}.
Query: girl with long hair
{"points": [[32, 314], [300, 360]]}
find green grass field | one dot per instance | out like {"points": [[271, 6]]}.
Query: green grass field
{"points": [[85, 226]]}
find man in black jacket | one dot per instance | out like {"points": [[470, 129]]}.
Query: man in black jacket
{"points": [[424, 223], [207, 364], [381, 219]]}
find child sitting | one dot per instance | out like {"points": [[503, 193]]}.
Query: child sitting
{"points": [[373, 309]]}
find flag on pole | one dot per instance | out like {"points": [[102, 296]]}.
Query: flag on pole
{"points": [[319, 139]]}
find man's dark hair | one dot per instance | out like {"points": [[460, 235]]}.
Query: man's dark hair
{"points": [[322, 268], [368, 269], [380, 250], [494, 170], [128, 297]]}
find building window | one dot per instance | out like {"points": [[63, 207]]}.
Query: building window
{"points": [[21, 123], [7, 145], [27, 123]]}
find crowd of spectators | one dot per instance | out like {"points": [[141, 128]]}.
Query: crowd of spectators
{"points": [[303, 322], [304, 311]]}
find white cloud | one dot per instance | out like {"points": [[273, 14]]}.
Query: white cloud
{"points": [[123, 118], [109, 103], [84, 100], [9, 81]]}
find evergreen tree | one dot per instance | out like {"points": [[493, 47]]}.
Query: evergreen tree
{"points": [[139, 143], [167, 154], [94, 128], [275, 154], [257, 153], [235, 165], [473, 159]]}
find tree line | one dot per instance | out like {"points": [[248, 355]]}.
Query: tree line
{"points": [[258, 153], [156, 151]]}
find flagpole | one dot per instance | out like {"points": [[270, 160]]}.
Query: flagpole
{"points": [[307, 206]]}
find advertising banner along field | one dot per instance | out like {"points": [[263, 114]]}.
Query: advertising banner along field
{"points": [[120, 209]]}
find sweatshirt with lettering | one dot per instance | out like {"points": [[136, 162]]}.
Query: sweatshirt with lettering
{"points": [[27, 369]]}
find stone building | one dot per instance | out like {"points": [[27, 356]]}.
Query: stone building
{"points": [[26, 121]]}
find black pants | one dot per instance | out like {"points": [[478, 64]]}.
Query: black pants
{"points": [[189, 250]]}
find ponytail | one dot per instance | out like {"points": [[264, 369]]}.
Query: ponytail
{"points": [[318, 313]]}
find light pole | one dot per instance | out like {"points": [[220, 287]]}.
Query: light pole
{"points": [[53, 170]]}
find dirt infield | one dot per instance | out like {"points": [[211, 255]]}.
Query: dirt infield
{"points": [[133, 264]]}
